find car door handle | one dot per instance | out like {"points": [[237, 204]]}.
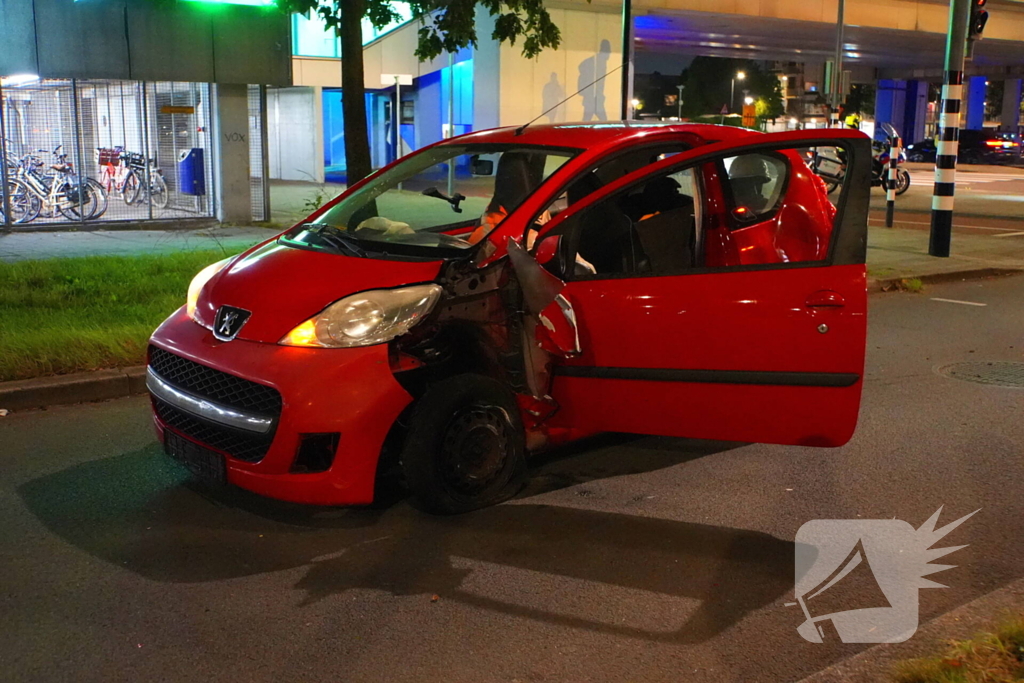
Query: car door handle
{"points": [[825, 299]]}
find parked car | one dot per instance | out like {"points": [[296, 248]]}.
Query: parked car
{"points": [[511, 290], [976, 147]]}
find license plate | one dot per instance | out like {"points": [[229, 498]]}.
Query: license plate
{"points": [[202, 462]]}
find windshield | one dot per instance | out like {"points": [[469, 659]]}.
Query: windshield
{"points": [[448, 197]]}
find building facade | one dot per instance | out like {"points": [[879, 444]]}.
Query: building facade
{"points": [[161, 106]]}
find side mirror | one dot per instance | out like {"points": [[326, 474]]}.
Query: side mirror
{"points": [[547, 249], [478, 166]]}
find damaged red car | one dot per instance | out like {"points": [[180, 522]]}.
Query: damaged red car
{"points": [[510, 290]]}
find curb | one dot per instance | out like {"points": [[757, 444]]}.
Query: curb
{"points": [[81, 387], [895, 283], [876, 662]]}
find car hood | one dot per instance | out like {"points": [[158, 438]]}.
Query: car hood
{"points": [[284, 286]]}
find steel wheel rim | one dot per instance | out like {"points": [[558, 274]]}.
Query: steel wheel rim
{"points": [[475, 449]]}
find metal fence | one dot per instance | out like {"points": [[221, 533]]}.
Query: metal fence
{"points": [[259, 192], [89, 151]]}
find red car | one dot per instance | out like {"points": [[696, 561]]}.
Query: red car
{"points": [[510, 290]]}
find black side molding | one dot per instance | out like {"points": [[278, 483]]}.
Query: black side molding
{"points": [[762, 377]]}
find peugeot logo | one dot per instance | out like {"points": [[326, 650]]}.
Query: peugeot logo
{"points": [[228, 322]]}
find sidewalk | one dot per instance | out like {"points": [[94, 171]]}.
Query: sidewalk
{"points": [[23, 246], [902, 253]]}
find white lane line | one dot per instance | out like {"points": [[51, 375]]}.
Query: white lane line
{"points": [[957, 301], [1009, 234], [955, 225]]}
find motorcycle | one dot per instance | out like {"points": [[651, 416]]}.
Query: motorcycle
{"points": [[831, 166]]}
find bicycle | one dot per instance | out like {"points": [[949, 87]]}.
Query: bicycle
{"points": [[60, 192], [139, 168], [116, 177]]}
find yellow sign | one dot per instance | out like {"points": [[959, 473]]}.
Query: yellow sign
{"points": [[177, 110]]}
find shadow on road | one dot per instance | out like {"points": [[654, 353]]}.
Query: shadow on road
{"points": [[139, 512]]}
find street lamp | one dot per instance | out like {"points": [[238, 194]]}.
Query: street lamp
{"points": [[740, 75], [679, 102], [637, 106], [748, 100]]}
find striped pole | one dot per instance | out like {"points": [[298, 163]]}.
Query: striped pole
{"points": [[949, 130], [890, 190], [835, 86]]}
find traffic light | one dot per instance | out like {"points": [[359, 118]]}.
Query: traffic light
{"points": [[979, 17]]}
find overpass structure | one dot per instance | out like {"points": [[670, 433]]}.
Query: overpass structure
{"points": [[897, 45]]}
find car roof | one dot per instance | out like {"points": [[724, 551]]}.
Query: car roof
{"points": [[591, 135]]}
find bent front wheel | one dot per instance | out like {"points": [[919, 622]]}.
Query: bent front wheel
{"points": [[465, 448]]}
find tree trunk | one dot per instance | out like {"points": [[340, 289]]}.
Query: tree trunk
{"points": [[353, 96]]}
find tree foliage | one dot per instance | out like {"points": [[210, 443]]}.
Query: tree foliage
{"points": [[445, 26], [710, 82]]}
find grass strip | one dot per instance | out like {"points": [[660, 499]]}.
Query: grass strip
{"points": [[59, 316], [996, 657]]}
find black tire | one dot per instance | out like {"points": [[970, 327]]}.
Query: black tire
{"points": [[25, 206], [831, 186], [132, 187], [465, 448], [902, 181], [916, 157]]}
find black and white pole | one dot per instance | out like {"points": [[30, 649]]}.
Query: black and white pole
{"points": [[949, 129], [890, 190], [836, 86]]}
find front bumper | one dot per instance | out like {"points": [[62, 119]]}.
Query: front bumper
{"points": [[348, 391]]}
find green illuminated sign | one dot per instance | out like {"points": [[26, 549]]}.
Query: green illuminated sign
{"points": [[253, 3]]}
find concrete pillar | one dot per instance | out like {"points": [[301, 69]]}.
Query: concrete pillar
{"points": [[915, 111], [231, 153], [890, 102], [1009, 120], [974, 102]]}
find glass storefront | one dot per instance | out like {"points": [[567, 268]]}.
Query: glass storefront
{"points": [[94, 150]]}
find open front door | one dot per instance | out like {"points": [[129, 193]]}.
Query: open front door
{"points": [[728, 295]]}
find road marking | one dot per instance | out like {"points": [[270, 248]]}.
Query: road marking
{"points": [[957, 301], [1009, 234], [955, 225]]}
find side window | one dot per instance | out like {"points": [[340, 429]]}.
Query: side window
{"points": [[647, 229], [755, 183], [771, 207], [609, 171]]}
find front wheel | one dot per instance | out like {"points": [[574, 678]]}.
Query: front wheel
{"points": [[465, 448], [25, 205], [87, 201], [902, 181]]}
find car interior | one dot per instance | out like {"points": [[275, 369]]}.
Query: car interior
{"points": [[649, 229]]}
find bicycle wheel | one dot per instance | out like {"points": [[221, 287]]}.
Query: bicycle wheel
{"points": [[131, 188], [100, 194], [25, 205], [82, 202], [158, 194]]}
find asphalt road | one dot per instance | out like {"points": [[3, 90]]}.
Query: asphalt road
{"points": [[981, 190], [628, 558]]}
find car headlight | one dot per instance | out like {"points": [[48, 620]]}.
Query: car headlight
{"points": [[198, 282], [366, 318]]}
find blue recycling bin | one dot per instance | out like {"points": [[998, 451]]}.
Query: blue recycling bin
{"points": [[192, 172]]}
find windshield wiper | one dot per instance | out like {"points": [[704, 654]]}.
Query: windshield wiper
{"points": [[337, 238], [454, 200]]}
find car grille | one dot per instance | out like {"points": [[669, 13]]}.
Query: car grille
{"points": [[220, 387], [215, 385]]}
